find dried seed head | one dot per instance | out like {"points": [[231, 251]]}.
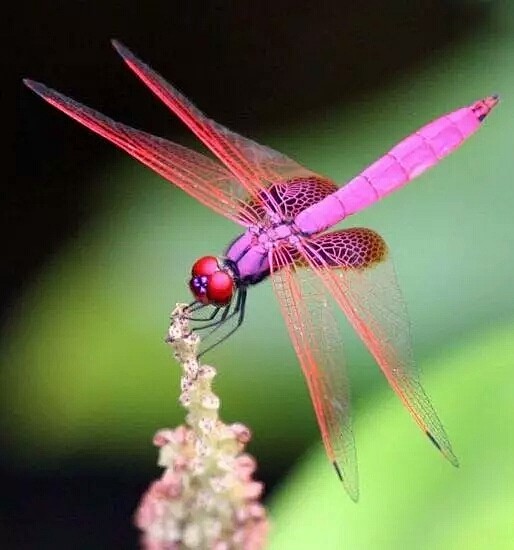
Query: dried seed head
{"points": [[206, 497]]}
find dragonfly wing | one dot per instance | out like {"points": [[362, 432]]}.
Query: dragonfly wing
{"points": [[255, 165], [363, 282], [204, 179], [309, 315]]}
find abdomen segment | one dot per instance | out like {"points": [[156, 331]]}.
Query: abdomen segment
{"points": [[410, 158]]}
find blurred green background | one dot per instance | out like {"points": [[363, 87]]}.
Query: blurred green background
{"points": [[85, 378]]}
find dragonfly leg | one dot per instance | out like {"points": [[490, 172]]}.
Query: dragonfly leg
{"points": [[194, 305], [238, 310], [217, 322], [215, 312]]}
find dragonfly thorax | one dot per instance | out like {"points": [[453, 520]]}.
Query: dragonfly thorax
{"points": [[212, 281], [271, 236]]}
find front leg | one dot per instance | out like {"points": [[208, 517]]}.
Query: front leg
{"points": [[239, 310], [197, 306]]}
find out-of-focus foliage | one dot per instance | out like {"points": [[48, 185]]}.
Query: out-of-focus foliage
{"points": [[85, 369], [411, 498]]}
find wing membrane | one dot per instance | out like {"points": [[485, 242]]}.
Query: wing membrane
{"points": [[309, 315], [204, 179], [248, 170], [254, 165], [368, 293]]}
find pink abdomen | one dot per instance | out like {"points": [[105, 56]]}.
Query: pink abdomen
{"points": [[411, 157]]}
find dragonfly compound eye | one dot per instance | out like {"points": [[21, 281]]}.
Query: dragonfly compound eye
{"points": [[207, 265], [210, 283], [220, 288]]}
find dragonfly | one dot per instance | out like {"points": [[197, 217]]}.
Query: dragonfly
{"points": [[284, 211]]}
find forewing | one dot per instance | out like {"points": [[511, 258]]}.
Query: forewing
{"points": [[309, 315], [363, 282], [254, 165], [204, 179]]}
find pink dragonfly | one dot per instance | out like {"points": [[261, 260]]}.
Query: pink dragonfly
{"points": [[284, 210]]}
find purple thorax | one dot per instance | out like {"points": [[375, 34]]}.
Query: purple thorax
{"points": [[250, 250]]}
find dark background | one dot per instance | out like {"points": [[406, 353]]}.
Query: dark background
{"points": [[270, 65], [250, 65]]}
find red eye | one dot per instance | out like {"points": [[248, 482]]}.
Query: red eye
{"points": [[220, 288], [210, 283], [205, 266]]}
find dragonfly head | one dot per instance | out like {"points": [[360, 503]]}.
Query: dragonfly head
{"points": [[211, 282]]}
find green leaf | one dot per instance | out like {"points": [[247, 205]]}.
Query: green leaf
{"points": [[410, 496]]}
